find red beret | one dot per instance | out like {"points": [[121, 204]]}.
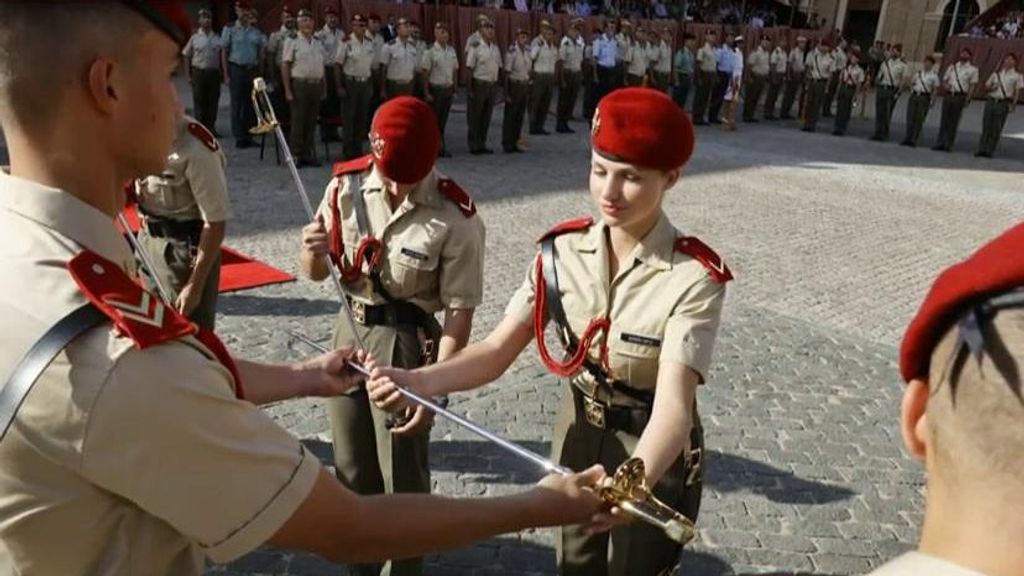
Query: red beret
{"points": [[405, 139], [331, 10], [644, 127], [245, 4], [997, 267], [167, 15]]}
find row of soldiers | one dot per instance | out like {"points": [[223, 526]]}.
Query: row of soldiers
{"points": [[832, 76]]}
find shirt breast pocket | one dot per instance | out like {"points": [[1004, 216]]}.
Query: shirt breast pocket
{"points": [[414, 265], [636, 352]]}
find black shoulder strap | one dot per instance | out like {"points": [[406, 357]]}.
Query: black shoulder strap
{"points": [[39, 357], [363, 223]]}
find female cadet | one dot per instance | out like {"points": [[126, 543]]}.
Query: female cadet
{"points": [[637, 306]]}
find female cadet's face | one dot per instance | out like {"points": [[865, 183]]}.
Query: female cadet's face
{"points": [[152, 109], [628, 196]]}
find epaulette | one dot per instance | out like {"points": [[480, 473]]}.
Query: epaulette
{"points": [[136, 313], [452, 191], [474, 43], [360, 164], [574, 225], [701, 252], [204, 135]]}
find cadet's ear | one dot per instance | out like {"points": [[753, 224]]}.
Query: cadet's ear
{"points": [[914, 420], [673, 177], [100, 84]]}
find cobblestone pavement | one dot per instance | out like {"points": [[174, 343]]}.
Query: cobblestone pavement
{"points": [[833, 243]]}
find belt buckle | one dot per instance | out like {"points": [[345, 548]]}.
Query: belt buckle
{"points": [[593, 411], [358, 311], [694, 462]]}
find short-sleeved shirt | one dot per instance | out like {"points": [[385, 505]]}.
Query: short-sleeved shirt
{"points": [[959, 77], [484, 59], [120, 460], [892, 73], [275, 45], [1004, 85], [440, 63], [400, 59], [839, 59], [544, 56], [852, 75], [917, 563], [684, 62], [518, 64], [663, 305], [243, 44], [707, 59], [570, 52], [330, 39], [203, 50], [356, 57], [796, 60], [724, 59], [819, 65], [924, 81], [623, 44], [663, 63], [779, 61], [434, 254], [759, 62], [192, 186], [636, 59], [605, 51], [306, 56]]}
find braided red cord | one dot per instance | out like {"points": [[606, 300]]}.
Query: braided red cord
{"points": [[573, 364], [353, 272]]}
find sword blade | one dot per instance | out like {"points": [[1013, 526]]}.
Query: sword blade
{"points": [[147, 263]]}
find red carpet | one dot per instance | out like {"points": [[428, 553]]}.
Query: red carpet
{"points": [[237, 271]]}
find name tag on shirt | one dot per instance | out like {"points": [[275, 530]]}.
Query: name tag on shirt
{"points": [[640, 340], [414, 254]]}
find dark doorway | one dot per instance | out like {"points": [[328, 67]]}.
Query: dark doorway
{"points": [[860, 27], [966, 12]]}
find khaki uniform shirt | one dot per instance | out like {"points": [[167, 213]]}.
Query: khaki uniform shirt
{"points": [[924, 82], [275, 45], [779, 61], [796, 61], [378, 49], [441, 63], [959, 77], [192, 185], [664, 307], [1004, 85], [331, 39], [707, 59], [434, 255], [544, 56], [663, 63], [819, 65], [123, 461], [400, 58], [623, 45], [203, 50], [636, 59], [474, 39], [356, 57], [571, 52], [852, 75], [759, 62], [918, 564], [518, 64], [484, 59], [892, 73], [839, 59], [306, 56]]}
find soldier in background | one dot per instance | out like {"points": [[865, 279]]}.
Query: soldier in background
{"points": [[398, 63], [794, 78], [241, 56], [890, 83], [851, 82], [416, 35], [331, 36], [544, 55], [662, 47], [779, 64], [518, 71], [819, 67], [302, 75], [623, 46], [606, 64], [201, 58], [958, 87], [272, 61], [1004, 87], [483, 65], [758, 70], [374, 30], [683, 70], [354, 86], [636, 61], [570, 75], [440, 66], [839, 59], [707, 78], [924, 86]]}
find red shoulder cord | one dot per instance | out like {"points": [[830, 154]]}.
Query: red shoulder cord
{"points": [[573, 364], [353, 272]]}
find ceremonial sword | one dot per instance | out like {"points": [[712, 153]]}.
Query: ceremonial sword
{"points": [[146, 262]]}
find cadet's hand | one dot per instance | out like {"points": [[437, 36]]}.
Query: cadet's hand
{"points": [[314, 239], [565, 500], [421, 421], [330, 374], [289, 96], [383, 387], [188, 299]]}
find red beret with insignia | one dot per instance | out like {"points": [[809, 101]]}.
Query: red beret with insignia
{"points": [[994, 269], [404, 139], [167, 15], [644, 127]]}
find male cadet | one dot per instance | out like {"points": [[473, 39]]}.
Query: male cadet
{"points": [[272, 60], [518, 70], [373, 26], [606, 49], [779, 64], [416, 36], [475, 37], [890, 83], [302, 74], [623, 45], [962, 416], [1004, 87], [202, 68], [682, 71], [707, 78], [725, 64], [636, 62], [851, 81], [483, 66], [662, 74], [819, 69], [544, 56], [590, 80], [138, 447], [331, 36], [570, 75], [924, 85], [398, 63], [759, 65], [794, 78], [183, 211], [440, 66], [958, 88], [839, 59], [355, 86], [241, 57]]}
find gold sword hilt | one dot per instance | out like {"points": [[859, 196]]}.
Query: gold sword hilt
{"points": [[628, 490]]}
